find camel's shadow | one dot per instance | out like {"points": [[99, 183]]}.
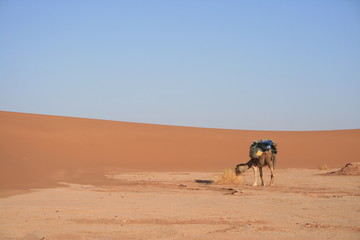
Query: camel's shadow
{"points": [[204, 181]]}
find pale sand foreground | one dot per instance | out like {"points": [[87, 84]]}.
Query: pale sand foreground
{"points": [[180, 205]]}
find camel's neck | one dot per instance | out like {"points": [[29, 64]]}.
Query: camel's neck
{"points": [[246, 166], [250, 163]]}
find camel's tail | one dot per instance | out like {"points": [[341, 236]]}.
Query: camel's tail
{"points": [[273, 158]]}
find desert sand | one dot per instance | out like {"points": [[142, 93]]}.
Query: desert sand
{"points": [[73, 178]]}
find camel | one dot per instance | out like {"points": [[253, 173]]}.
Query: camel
{"points": [[266, 159]]}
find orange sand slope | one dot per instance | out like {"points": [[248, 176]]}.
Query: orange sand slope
{"points": [[38, 149]]}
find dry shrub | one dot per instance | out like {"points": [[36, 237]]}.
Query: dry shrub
{"points": [[228, 177], [323, 166]]}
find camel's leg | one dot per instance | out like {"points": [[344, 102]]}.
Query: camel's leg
{"points": [[272, 170], [261, 176], [269, 159], [255, 175]]}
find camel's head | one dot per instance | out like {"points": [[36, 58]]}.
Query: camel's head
{"points": [[239, 169]]}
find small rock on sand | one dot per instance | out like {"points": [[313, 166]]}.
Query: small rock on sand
{"points": [[349, 169]]}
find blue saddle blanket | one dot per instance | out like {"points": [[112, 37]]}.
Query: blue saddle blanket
{"points": [[268, 143]]}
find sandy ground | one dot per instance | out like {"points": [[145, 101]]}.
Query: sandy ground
{"points": [[183, 205], [53, 184]]}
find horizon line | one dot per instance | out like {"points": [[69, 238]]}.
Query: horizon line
{"points": [[173, 125]]}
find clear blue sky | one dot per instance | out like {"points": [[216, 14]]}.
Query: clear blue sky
{"points": [[263, 65]]}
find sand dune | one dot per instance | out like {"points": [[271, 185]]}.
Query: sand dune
{"points": [[36, 150], [157, 184]]}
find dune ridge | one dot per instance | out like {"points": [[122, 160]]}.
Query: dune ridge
{"points": [[40, 149]]}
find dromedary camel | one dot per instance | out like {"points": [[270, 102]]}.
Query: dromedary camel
{"points": [[266, 159]]}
